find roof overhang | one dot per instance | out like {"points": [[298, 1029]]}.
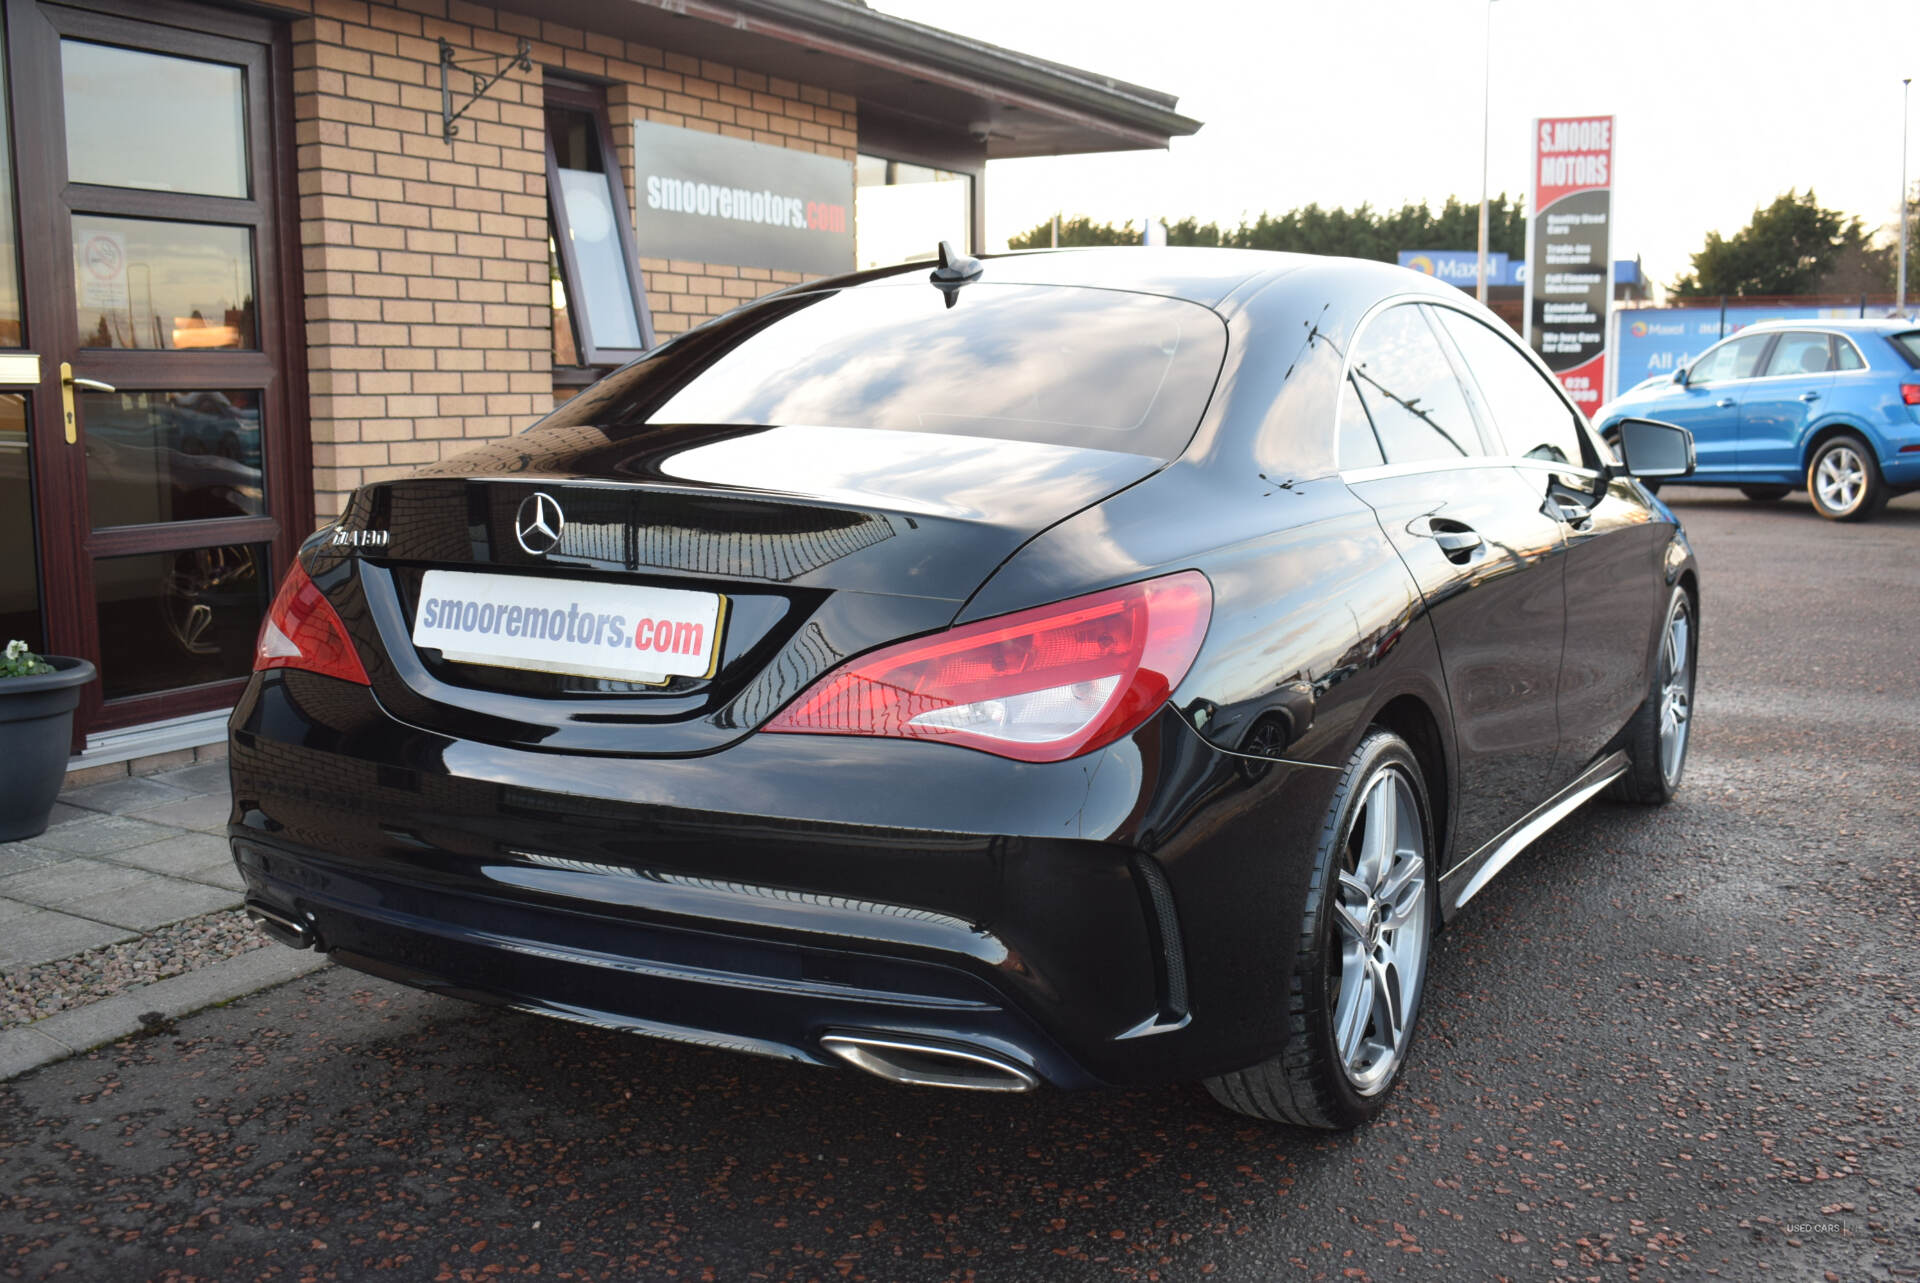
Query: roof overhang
{"points": [[1016, 104]]}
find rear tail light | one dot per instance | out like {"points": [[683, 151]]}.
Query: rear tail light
{"points": [[302, 630], [1910, 393], [1039, 685]]}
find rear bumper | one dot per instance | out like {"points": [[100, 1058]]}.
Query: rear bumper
{"points": [[785, 890], [686, 982]]}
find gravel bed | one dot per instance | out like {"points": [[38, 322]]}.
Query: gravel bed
{"points": [[29, 994]]}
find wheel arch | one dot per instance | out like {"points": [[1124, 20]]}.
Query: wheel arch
{"points": [[1828, 431], [1408, 716]]}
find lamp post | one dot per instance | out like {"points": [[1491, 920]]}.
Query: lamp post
{"points": [[1906, 91], [1486, 83]]}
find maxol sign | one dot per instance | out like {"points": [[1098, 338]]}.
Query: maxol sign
{"points": [[1461, 267]]}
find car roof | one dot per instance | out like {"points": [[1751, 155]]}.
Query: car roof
{"points": [[1855, 324], [1213, 277]]}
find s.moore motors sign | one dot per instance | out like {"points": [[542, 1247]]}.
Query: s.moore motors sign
{"points": [[713, 199], [1569, 234]]}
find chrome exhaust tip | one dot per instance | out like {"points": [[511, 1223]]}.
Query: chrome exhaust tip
{"points": [[930, 1064], [288, 930]]}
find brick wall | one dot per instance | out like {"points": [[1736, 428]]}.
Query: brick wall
{"points": [[427, 289]]}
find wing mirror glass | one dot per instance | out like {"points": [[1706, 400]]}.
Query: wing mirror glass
{"points": [[1680, 376], [1649, 448]]}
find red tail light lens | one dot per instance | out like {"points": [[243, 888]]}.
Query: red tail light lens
{"points": [[1910, 393], [1040, 685], [302, 630]]}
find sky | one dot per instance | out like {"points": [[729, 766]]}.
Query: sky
{"points": [[1719, 106]]}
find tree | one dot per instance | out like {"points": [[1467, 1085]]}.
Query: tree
{"points": [[1360, 232], [1079, 230], [1793, 246]]}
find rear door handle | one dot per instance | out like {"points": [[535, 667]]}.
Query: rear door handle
{"points": [[1809, 396], [1457, 540], [1724, 403], [1457, 543]]}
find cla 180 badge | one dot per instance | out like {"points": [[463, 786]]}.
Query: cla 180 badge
{"points": [[360, 538]]}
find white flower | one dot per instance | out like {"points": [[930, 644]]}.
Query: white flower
{"points": [[15, 649]]}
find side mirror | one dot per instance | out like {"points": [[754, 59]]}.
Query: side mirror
{"points": [[1680, 375], [1649, 448]]}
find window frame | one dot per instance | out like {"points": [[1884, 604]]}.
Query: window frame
{"points": [[1779, 346], [1595, 460], [1482, 404], [1490, 448], [576, 96], [1767, 339]]}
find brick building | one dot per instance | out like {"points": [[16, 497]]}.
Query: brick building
{"points": [[257, 255]]}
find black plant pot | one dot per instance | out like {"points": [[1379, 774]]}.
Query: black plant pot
{"points": [[36, 731]]}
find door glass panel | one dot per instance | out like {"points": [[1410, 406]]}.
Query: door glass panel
{"points": [[137, 119], [1801, 353], [146, 284], [19, 576], [171, 619], [1417, 407], [9, 239], [172, 456]]}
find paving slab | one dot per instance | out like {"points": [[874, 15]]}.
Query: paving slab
{"points": [[99, 834], [200, 778], [30, 934], [110, 1019], [116, 894], [18, 857], [64, 814], [121, 796], [199, 857], [208, 813]]}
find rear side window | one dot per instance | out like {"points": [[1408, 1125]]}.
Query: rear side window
{"points": [[1063, 366], [1739, 359], [1801, 352], [1527, 411], [1845, 357], [1417, 406], [1908, 346], [1359, 448]]}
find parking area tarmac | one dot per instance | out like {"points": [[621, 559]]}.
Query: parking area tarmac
{"points": [[1665, 1044]]}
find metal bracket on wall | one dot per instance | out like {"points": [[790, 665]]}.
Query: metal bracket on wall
{"points": [[500, 64]]}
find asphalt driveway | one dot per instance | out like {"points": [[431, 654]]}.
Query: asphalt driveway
{"points": [[1665, 1044]]}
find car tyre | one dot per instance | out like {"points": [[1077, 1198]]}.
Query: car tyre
{"points": [[1766, 494], [1656, 739], [1360, 958], [1844, 482]]}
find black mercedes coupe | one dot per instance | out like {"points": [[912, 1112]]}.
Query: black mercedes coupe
{"points": [[1090, 667]]}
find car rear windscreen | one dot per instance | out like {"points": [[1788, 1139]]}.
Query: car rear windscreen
{"points": [[1064, 366], [1909, 346]]}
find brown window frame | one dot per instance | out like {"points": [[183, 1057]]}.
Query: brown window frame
{"points": [[575, 96]]}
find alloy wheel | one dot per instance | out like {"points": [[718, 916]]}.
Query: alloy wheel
{"points": [[1840, 479], [1676, 691], [1382, 916]]}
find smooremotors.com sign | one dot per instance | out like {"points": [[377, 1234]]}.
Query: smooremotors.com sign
{"points": [[725, 200]]}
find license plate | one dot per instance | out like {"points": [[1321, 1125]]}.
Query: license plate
{"points": [[569, 626]]}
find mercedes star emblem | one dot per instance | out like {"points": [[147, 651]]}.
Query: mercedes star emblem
{"points": [[539, 523]]}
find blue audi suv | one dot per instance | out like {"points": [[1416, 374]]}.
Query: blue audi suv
{"points": [[1830, 405]]}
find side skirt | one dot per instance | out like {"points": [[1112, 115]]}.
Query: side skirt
{"points": [[1469, 877]]}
